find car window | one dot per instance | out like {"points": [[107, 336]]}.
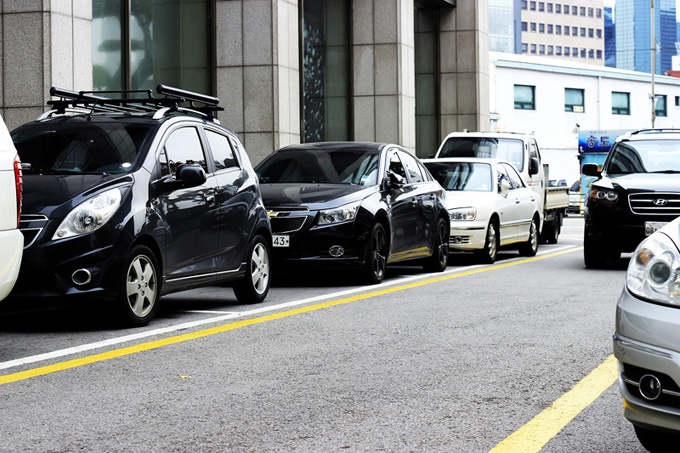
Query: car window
{"points": [[509, 149], [648, 156], [396, 166], [184, 147], [533, 150], [414, 173], [221, 150], [463, 176], [515, 179]]}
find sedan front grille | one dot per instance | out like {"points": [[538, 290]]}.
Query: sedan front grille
{"points": [[30, 226], [655, 203], [287, 224]]}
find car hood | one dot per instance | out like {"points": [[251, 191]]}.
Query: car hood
{"points": [[314, 196], [645, 182], [466, 199], [43, 193]]}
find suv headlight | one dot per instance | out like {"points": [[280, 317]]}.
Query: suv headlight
{"points": [[654, 270], [606, 196], [89, 215], [463, 213], [341, 214]]}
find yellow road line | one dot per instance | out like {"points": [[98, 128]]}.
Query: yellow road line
{"points": [[68, 364], [533, 436]]}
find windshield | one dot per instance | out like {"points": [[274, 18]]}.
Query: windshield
{"points": [[463, 176], [80, 147], [649, 156], [335, 166], [509, 149]]}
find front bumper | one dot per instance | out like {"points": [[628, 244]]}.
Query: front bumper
{"points": [[646, 344], [468, 235]]}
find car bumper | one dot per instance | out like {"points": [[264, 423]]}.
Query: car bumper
{"points": [[12, 246], [646, 344], [468, 235]]}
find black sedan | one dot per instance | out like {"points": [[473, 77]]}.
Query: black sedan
{"points": [[360, 205]]}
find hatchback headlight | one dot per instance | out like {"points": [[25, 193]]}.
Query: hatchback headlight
{"points": [[341, 214], [463, 214], [604, 195], [89, 215], [654, 270]]}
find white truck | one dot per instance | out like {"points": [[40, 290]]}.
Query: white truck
{"points": [[522, 151]]}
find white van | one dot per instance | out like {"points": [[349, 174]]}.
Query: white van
{"points": [[11, 239]]}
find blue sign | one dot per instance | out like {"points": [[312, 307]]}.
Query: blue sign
{"points": [[597, 141]]}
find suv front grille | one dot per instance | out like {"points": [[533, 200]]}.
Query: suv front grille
{"points": [[287, 224], [31, 225], [655, 203]]}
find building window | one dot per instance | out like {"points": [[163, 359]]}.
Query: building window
{"points": [[599, 54], [550, 29], [574, 10], [574, 51], [598, 13], [558, 29], [532, 6], [583, 53], [558, 8], [574, 31], [620, 103], [525, 97], [533, 48], [550, 50], [677, 101], [582, 11], [566, 51], [525, 26], [590, 12], [558, 50], [325, 62], [599, 33], [132, 51], [541, 6], [524, 4], [541, 28], [573, 100], [549, 7], [533, 27], [660, 108], [541, 49], [591, 53], [566, 30], [566, 9], [525, 47], [427, 73], [591, 33], [583, 32]]}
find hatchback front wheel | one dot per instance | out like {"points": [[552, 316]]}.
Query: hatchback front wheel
{"points": [[254, 286], [139, 292]]}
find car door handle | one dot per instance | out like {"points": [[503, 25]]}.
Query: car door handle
{"points": [[516, 200], [210, 200], [414, 202]]}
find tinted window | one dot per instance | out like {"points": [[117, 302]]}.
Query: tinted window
{"points": [[221, 150], [414, 173], [184, 147], [336, 166], [508, 149], [465, 176], [649, 156], [79, 147], [396, 166]]}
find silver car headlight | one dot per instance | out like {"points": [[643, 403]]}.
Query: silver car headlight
{"points": [[89, 215], [341, 214], [463, 213], [654, 270]]}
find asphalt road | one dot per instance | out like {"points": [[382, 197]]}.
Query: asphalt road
{"points": [[452, 362]]}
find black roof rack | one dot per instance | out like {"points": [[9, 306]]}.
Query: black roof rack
{"points": [[135, 101]]}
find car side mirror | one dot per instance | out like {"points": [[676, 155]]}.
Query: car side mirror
{"points": [[591, 170], [394, 180], [534, 165], [190, 175], [505, 187]]}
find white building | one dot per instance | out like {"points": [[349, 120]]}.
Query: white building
{"points": [[555, 99]]}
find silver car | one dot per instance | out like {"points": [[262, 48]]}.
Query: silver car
{"points": [[647, 340]]}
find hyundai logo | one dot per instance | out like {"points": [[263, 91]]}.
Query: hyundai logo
{"points": [[650, 387], [660, 202]]}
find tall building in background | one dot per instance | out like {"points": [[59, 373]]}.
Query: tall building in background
{"points": [[609, 38], [505, 26], [570, 29], [633, 38]]}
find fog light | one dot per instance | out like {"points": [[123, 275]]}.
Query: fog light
{"points": [[456, 239], [81, 277], [336, 251]]}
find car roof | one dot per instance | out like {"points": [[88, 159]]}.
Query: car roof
{"points": [[650, 134], [480, 134], [338, 145], [481, 160]]}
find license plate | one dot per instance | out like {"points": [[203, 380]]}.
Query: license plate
{"points": [[651, 227], [281, 240]]}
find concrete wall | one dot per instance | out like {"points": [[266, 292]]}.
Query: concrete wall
{"points": [[44, 44]]}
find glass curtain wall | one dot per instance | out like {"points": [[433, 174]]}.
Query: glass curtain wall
{"points": [[325, 66], [427, 79], [138, 44]]}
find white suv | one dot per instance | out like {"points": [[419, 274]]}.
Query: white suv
{"points": [[11, 239]]}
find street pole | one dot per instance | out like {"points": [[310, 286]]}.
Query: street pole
{"points": [[653, 64]]}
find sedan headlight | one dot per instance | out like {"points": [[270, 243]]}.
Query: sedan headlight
{"points": [[341, 214], [604, 195], [89, 215], [654, 270], [463, 214]]}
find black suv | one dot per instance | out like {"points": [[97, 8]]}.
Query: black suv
{"points": [[637, 192], [129, 196]]}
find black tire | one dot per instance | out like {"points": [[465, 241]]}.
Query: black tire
{"points": [[552, 232], [657, 441], [530, 247], [377, 249], [440, 248], [488, 254], [595, 255], [140, 288], [254, 286]]}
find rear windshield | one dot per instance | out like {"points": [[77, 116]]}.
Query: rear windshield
{"points": [[335, 166], [463, 176], [648, 156], [81, 147], [509, 149]]}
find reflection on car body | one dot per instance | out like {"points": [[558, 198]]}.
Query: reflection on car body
{"points": [[361, 205]]}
